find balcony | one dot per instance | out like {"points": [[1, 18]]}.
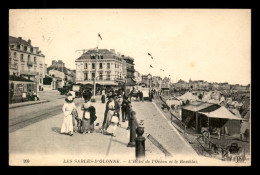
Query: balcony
{"points": [[13, 66], [31, 73]]}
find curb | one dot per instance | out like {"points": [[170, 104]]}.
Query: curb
{"points": [[21, 105]]}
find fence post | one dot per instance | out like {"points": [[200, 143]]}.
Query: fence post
{"points": [[132, 125], [140, 144]]}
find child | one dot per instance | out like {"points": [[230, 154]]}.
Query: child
{"points": [[113, 124]]}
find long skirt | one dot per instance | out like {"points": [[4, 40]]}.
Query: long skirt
{"points": [[67, 125], [85, 125], [110, 113], [112, 128], [103, 99]]}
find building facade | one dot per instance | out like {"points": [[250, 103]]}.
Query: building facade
{"points": [[26, 61], [130, 77], [104, 65], [65, 74]]}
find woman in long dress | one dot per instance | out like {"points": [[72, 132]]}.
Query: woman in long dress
{"points": [[86, 126], [67, 125], [109, 112]]}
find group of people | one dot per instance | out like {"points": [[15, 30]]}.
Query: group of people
{"points": [[72, 121], [115, 106]]}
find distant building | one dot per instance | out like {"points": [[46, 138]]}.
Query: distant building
{"points": [[157, 82], [26, 61]]}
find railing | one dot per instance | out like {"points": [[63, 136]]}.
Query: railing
{"points": [[225, 153], [29, 72]]}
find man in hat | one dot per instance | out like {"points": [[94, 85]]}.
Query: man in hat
{"points": [[119, 101], [124, 106]]}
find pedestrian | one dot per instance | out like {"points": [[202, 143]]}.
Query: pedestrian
{"points": [[119, 101], [109, 112], [128, 111], [86, 126], [141, 96], [67, 125], [113, 124], [124, 108], [117, 107], [103, 97]]}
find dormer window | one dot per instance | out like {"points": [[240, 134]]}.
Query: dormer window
{"points": [[31, 49], [18, 46], [25, 48]]}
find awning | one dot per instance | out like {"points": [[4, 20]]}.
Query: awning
{"points": [[221, 113]]}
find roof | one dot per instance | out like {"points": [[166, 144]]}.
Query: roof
{"points": [[222, 113], [188, 96], [16, 40], [197, 106], [94, 51]]}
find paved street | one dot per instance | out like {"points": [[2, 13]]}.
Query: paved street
{"points": [[26, 115]]}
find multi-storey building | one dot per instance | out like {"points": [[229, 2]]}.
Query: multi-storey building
{"points": [[129, 71], [104, 65], [60, 75], [26, 61]]}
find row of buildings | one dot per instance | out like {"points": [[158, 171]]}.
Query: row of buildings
{"points": [[204, 85], [29, 73], [110, 69]]}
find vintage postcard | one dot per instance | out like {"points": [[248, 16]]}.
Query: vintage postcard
{"points": [[129, 87]]}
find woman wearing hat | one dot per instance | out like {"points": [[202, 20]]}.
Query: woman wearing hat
{"points": [[109, 112], [68, 107], [86, 125]]}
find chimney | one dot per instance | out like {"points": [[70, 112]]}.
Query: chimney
{"points": [[29, 41], [53, 62]]}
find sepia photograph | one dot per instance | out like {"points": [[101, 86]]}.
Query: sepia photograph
{"points": [[129, 87]]}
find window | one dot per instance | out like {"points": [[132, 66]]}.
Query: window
{"points": [[93, 76], [12, 46], [100, 65], [100, 76], [101, 57], [22, 57], [29, 56], [93, 65], [14, 54], [85, 76], [25, 48], [92, 57], [115, 65], [86, 65], [34, 59], [18, 46], [108, 76], [108, 65], [31, 49]]}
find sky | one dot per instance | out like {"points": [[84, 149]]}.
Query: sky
{"points": [[199, 44]]}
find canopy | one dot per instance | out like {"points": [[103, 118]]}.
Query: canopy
{"points": [[188, 96], [222, 113]]}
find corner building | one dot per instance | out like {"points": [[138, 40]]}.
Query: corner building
{"points": [[108, 65]]}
